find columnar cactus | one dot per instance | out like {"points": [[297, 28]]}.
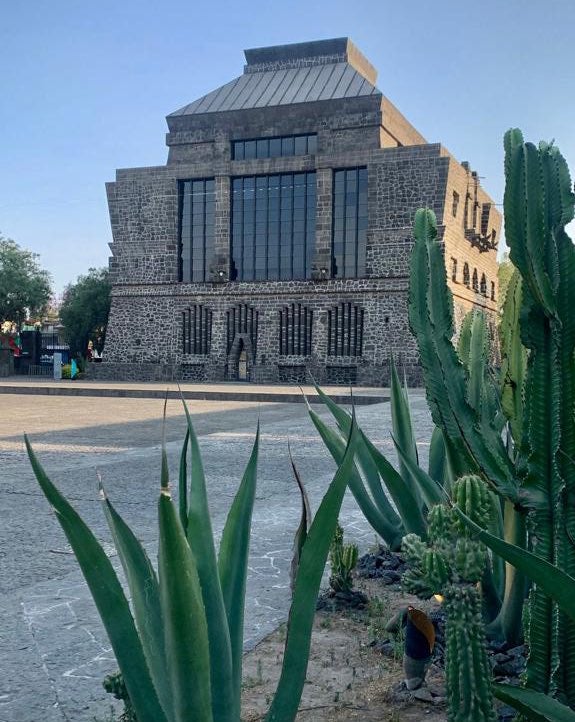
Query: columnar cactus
{"points": [[537, 479], [451, 564], [342, 559]]}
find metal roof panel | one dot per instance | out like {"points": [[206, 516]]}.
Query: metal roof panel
{"points": [[283, 87]]}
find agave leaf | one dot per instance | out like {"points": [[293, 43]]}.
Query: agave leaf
{"points": [[428, 489], [536, 706], [437, 468], [304, 524], [233, 566], [201, 540], [382, 518], [183, 483], [402, 494], [404, 498], [145, 593], [109, 598], [185, 625], [403, 432], [555, 583], [314, 555], [363, 457]]}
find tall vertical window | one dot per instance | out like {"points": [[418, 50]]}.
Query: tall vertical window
{"points": [[349, 222], [197, 201], [345, 330], [196, 330], [295, 330], [242, 319], [273, 226]]}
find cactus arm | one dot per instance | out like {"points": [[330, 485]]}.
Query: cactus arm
{"points": [[513, 359], [478, 350], [431, 320], [561, 201], [464, 342], [525, 230]]}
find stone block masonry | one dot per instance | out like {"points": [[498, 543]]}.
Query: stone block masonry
{"points": [[354, 294]]}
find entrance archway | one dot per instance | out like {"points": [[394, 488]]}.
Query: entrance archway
{"points": [[240, 359], [243, 364]]}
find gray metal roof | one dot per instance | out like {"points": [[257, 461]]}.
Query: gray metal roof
{"points": [[285, 86]]}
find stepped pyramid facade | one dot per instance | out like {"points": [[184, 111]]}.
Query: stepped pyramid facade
{"points": [[276, 239]]}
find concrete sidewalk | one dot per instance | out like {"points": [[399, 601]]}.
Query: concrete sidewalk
{"points": [[204, 391]]}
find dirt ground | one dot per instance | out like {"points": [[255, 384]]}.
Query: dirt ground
{"points": [[347, 678]]}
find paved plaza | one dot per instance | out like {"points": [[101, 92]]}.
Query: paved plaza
{"points": [[53, 650]]}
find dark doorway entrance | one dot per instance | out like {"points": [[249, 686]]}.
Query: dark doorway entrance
{"points": [[243, 366]]}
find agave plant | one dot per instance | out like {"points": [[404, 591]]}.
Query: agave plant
{"points": [[415, 491], [394, 502], [179, 646]]}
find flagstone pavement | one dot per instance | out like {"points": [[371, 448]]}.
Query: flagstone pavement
{"points": [[53, 649]]}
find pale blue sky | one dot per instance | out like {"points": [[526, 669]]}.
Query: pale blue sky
{"points": [[85, 88]]}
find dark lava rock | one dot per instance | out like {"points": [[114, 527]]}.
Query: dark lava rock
{"points": [[390, 577], [382, 564], [336, 601], [384, 646]]}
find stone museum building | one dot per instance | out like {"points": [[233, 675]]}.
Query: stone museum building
{"points": [[276, 239]]}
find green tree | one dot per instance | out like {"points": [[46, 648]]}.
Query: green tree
{"points": [[24, 286], [504, 272], [84, 310]]}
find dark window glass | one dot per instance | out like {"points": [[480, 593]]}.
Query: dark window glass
{"points": [[350, 219], [274, 233], [300, 145], [288, 145], [196, 230], [274, 147]]}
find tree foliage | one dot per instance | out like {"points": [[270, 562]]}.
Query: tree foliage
{"points": [[24, 286], [84, 310], [504, 272]]}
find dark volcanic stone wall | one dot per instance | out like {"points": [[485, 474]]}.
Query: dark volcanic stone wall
{"points": [[144, 338]]}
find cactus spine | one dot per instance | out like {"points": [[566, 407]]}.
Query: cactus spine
{"points": [[451, 563]]}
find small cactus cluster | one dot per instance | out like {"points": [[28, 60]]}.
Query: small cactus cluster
{"points": [[451, 564], [342, 560], [114, 684]]}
